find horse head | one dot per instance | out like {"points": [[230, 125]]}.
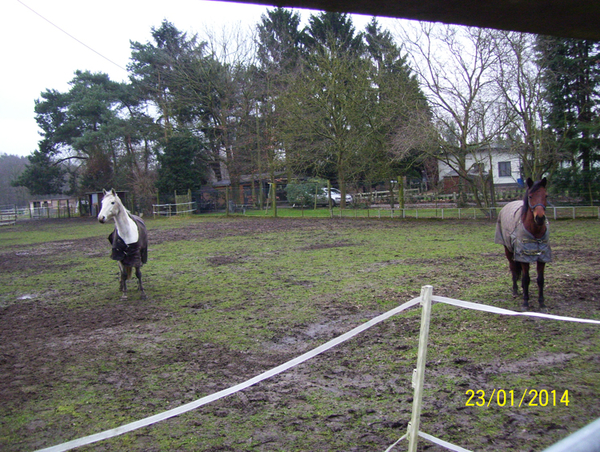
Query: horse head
{"points": [[111, 206], [536, 200]]}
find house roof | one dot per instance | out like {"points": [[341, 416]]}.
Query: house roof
{"points": [[51, 198], [566, 18]]}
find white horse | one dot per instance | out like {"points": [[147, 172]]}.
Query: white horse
{"points": [[129, 239]]}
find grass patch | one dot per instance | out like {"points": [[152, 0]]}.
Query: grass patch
{"points": [[229, 298]]}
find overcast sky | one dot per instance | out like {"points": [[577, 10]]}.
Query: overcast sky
{"points": [[36, 55]]}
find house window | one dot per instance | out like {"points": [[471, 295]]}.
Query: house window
{"points": [[504, 169], [478, 168]]}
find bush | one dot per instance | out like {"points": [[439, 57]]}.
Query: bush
{"points": [[303, 193], [576, 183]]}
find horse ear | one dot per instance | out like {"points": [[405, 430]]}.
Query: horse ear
{"points": [[104, 191], [529, 182], [112, 192], [544, 181]]}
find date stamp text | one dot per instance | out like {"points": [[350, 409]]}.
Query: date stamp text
{"points": [[511, 398]]}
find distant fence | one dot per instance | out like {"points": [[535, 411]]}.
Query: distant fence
{"points": [[169, 210], [412, 196], [52, 212], [574, 212], [8, 215], [591, 432], [444, 213], [416, 212]]}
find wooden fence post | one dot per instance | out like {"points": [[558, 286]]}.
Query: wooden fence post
{"points": [[401, 192], [226, 201], [419, 372], [274, 197]]}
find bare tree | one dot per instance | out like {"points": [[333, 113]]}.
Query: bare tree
{"points": [[520, 82], [456, 68], [11, 167], [231, 44]]}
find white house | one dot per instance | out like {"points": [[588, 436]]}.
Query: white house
{"points": [[505, 167]]}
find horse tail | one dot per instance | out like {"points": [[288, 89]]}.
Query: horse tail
{"points": [[129, 272]]}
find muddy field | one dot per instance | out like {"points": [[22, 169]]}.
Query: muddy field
{"points": [[96, 362]]}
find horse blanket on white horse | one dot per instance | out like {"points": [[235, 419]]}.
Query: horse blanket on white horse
{"points": [[511, 233], [132, 254]]}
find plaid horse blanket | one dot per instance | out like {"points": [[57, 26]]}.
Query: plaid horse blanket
{"points": [[133, 254], [511, 233]]}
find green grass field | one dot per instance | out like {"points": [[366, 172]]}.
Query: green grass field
{"points": [[229, 298]]}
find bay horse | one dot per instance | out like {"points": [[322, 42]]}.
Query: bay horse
{"points": [[129, 240], [524, 230]]}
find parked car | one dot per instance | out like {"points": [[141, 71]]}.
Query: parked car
{"points": [[336, 197]]}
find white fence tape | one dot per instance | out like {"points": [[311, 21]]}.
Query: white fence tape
{"points": [[394, 445], [432, 439], [442, 443], [216, 396], [495, 310], [299, 360]]}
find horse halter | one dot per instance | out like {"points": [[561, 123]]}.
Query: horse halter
{"points": [[538, 205]]}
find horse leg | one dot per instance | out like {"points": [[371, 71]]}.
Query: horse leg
{"points": [[138, 274], [525, 280], [515, 271], [540, 282], [123, 284]]}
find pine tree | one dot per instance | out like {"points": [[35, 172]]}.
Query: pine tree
{"points": [[572, 85]]}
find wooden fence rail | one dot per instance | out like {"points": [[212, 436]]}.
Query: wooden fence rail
{"points": [[168, 210], [8, 216]]}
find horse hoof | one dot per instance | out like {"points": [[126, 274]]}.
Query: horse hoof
{"points": [[143, 296], [123, 297], [524, 307], [544, 309]]}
